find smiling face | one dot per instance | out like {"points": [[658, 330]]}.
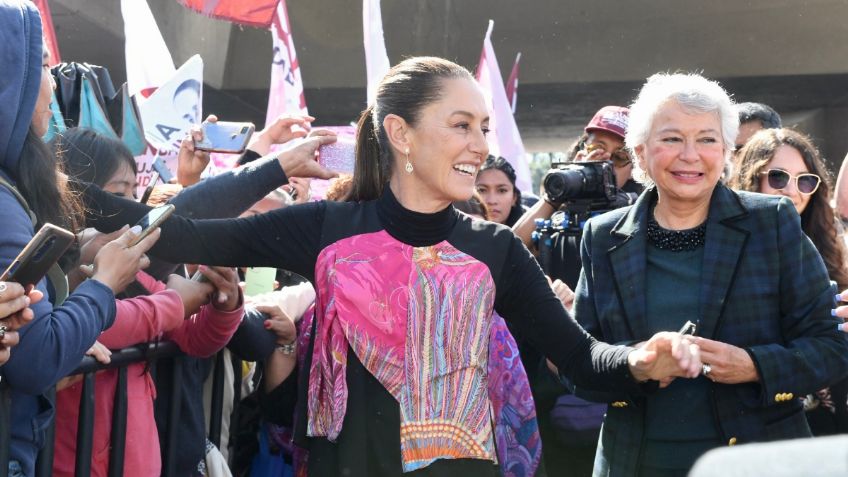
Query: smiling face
{"points": [[788, 159], [447, 145], [683, 154], [497, 192]]}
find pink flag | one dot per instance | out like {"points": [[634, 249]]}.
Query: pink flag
{"points": [[376, 60], [149, 63], [286, 95], [504, 140], [512, 84], [48, 31]]}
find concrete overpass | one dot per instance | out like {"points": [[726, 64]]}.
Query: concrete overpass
{"points": [[577, 55]]}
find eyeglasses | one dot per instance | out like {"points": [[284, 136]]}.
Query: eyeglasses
{"points": [[806, 183]]}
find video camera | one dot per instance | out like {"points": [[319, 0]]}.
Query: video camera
{"points": [[584, 189], [590, 183]]}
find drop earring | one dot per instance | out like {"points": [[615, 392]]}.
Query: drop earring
{"points": [[408, 166]]}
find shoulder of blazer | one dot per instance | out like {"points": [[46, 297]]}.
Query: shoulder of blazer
{"points": [[754, 202]]}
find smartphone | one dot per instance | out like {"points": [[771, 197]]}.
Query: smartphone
{"points": [[224, 137], [339, 156], [153, 219], [164, 173], [154, 178], [41, 253]]}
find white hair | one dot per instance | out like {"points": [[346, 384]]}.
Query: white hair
{"points": [[694, 94]]}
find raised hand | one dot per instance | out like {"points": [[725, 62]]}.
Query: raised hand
{"points": [[298, 159], [227, 296], [280, 323], [280, 131], [192, 162], [194, 294], [117, 263]]}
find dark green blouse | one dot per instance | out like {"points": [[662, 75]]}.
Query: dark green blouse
{"points": [[679, 422]]}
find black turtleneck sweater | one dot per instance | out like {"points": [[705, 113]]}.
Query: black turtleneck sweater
{"points": [[292, 238]]}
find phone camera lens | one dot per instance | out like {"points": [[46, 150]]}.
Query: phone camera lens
{"points": [[244, 130]]}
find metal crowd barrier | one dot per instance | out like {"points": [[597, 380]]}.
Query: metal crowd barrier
{"points": [[85, 432]]}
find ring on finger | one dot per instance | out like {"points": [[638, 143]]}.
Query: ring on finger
{"points": [[2, 288], [3, 330], [706, 369]]}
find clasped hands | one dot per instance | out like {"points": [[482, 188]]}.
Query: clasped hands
{"points": [[669, 355]]}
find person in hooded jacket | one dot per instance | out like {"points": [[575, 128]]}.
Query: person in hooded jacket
{"points": [[32, 192]]}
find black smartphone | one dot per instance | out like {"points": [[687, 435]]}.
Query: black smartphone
{"points": [[153, 219], [154, 178], [41, 253], [225, 137]]}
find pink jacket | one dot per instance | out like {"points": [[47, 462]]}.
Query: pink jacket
{"points": [[139, 320]]}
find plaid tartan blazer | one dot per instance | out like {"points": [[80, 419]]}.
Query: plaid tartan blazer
{"points": [[764, 288]]}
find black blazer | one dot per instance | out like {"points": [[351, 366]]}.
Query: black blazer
{"points": [[764, 288]]}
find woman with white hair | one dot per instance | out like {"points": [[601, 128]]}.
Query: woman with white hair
{"points": [[735, 264]]}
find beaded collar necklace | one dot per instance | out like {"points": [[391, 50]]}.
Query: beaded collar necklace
{"points": [[675, 240]]}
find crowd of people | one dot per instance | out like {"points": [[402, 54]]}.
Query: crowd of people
{"points": [[410, 329]]}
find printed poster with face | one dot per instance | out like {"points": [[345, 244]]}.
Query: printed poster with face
{"points": [[170, 112]]}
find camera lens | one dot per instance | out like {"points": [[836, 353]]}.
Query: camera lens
{"points": [[244, 130]]}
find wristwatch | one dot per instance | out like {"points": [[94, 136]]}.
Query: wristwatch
{"points": [[287, 348]]}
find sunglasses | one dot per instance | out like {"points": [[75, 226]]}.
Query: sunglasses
{"points": [[806, 183]]}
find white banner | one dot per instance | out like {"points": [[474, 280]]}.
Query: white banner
{"points": [[171, 111], [376, 59], [149, 63], [504, 138], [286, 94]]}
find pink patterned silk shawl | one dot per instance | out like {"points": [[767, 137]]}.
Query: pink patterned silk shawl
{"points": [[517, 439], [418, 318]]}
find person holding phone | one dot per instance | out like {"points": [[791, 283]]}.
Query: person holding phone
{"points": [[14, 313], [391, 390], [62, 328]]}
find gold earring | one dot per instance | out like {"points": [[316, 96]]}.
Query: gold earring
{"points": [[408, 166]]}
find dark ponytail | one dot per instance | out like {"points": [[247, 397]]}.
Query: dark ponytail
{"points": [[407, 88], [370, 170]]}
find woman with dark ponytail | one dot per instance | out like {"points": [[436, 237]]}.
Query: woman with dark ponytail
{"points": [[394, 376]]}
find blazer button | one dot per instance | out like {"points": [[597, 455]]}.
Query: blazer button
{"points": [[790, 396], [778, 397], [732, 441], [619, 404]]}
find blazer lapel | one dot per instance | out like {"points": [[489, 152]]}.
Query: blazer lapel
{"points": [[628, 261], [723, 248]]}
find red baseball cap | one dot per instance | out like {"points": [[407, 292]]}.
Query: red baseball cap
{"points": [[612, 119]]}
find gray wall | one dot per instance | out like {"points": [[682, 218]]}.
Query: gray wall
{"points": [[577, 55]]}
